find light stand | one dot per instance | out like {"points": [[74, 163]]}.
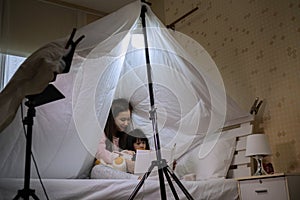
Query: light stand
{"points": [[27, 192], [163, 168], [48, 95]]}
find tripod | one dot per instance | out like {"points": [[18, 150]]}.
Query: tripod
{"points": [[27, 192], [163, 168], [48, 95]]}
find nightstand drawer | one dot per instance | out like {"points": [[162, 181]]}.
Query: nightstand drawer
{"points": [[264, 189]]}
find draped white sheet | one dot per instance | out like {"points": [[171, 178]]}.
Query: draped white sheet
{"points": [[190, 99]]}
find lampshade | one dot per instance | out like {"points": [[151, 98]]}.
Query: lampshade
{"points": [[257, 144]]}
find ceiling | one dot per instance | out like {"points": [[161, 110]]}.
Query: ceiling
{"points": [[97, 7]]}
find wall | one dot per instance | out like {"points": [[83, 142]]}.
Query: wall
{"points": [[28, 24], [255, 44]]}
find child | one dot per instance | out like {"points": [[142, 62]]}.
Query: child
{"points": [[136, 140]]}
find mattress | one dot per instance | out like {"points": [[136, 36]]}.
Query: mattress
{"points": [[119, 189]]}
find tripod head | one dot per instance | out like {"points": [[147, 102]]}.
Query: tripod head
{"points": [[51, 93]]}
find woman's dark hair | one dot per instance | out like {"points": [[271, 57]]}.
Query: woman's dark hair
{"points": [[133, 136], [111, 129]]}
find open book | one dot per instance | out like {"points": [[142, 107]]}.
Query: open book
{"points": [[145, 157]]}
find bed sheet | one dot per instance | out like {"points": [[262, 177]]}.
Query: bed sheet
{"points": [[214, 189]]}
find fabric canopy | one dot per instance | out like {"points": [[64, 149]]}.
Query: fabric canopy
{"points": [[190, 99]]}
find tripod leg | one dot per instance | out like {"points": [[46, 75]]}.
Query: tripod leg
{"points": [[18, 195], [138, 187], [34, 196], [170, 183], [187, 194], [162, 183], [25, 194]]}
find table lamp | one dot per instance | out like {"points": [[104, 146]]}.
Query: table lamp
{"points": [[257, 146]]}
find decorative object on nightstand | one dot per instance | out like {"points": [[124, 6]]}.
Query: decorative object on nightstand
{"points": [[257, 146]]}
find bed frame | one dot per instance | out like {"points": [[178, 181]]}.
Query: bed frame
{"points": [[241, 166]]}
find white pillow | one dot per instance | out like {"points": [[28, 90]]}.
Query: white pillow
{"points": [[215, 164]]}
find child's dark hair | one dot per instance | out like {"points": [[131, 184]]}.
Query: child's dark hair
{"points": [[133, 136]]}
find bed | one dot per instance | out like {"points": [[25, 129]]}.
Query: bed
{"points": [[214, 187], [120, 189]]}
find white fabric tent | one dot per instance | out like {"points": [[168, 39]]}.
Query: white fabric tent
{"points": [[110, 63]]}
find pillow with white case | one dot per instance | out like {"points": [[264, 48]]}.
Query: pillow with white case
{"points": [[213, 164]]}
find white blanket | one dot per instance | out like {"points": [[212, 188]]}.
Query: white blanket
{"points": [[120, 189]]}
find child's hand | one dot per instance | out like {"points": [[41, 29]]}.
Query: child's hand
{"points": [[128, 152]]}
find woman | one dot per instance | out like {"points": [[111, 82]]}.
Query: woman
{"points": [[114, 142]]}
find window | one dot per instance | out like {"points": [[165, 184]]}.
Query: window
{"points": [[9, 65]]}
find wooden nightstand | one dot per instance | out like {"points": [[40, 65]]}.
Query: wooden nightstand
{"points": [[278, 186]]}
